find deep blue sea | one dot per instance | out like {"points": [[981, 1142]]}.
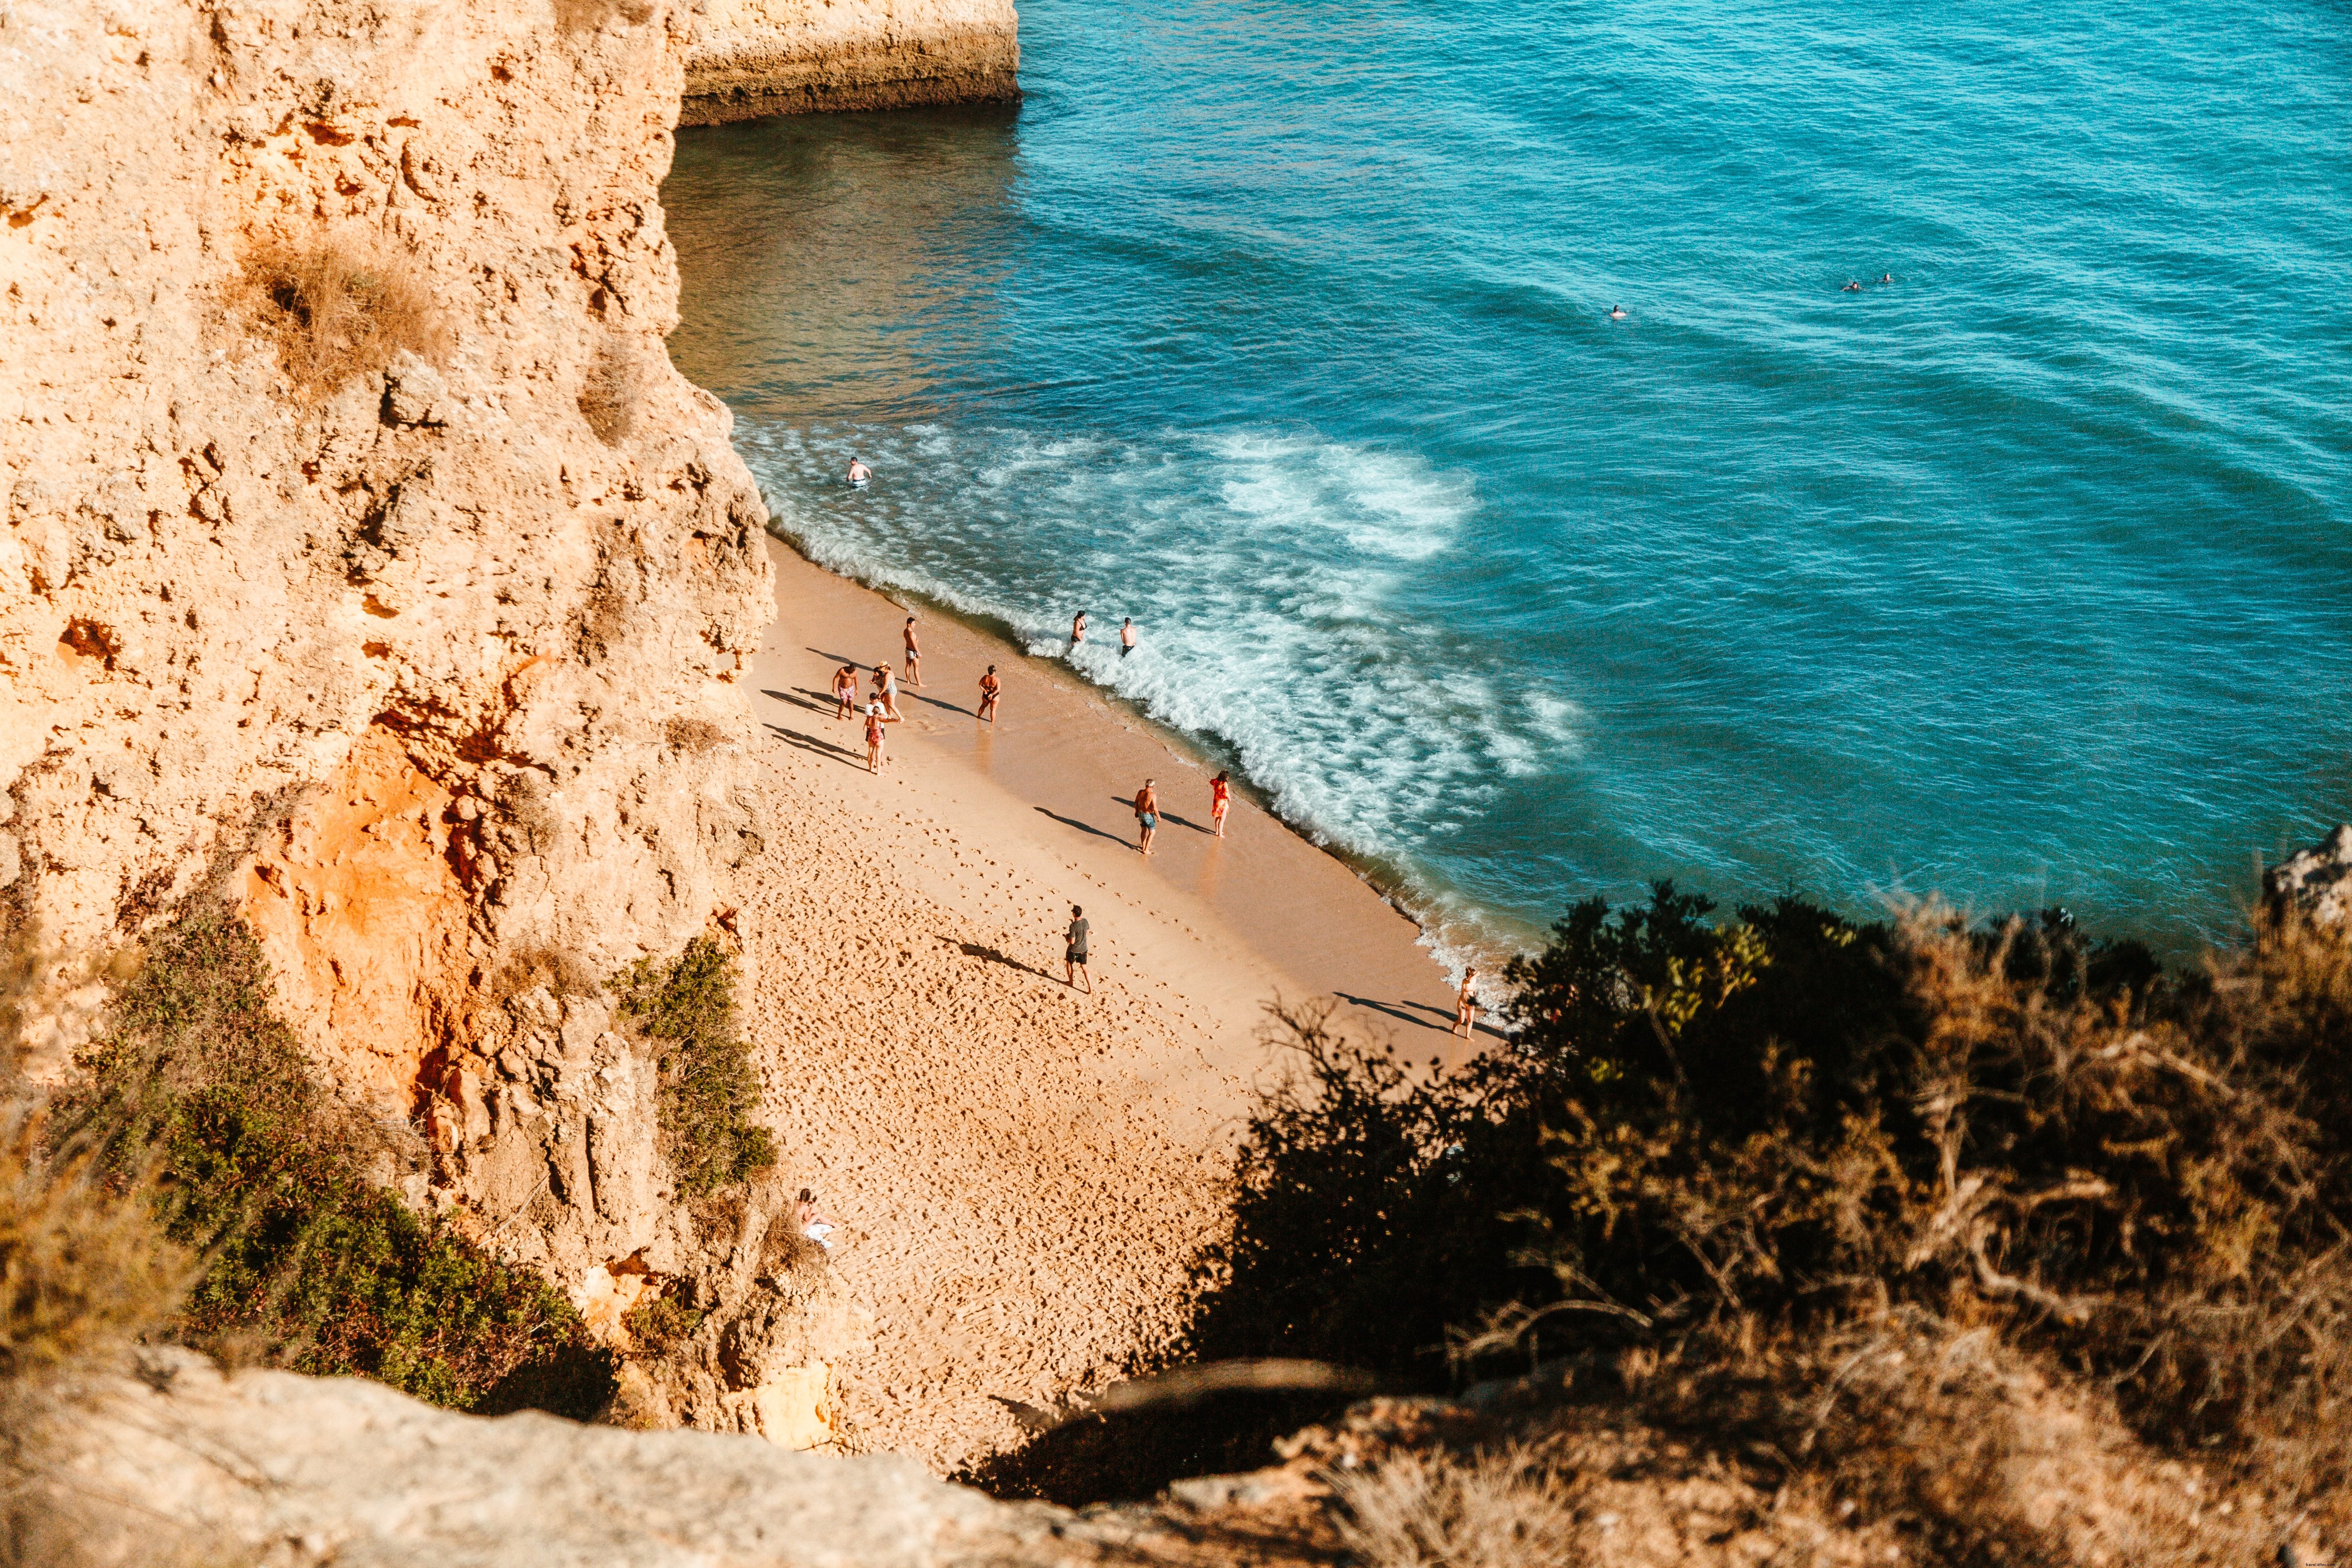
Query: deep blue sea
{"points": [[2022, 575]]}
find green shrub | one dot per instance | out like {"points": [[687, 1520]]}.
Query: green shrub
{"points": [[710, 1085], [658, 1325], [199, 1081], [1703, 1137]]}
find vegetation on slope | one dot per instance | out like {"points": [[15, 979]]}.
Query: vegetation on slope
{"points": [[710, 1085], [1842, 1201], [202, 1093]]}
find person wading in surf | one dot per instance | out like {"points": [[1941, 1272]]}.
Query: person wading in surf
{"points": [[859, 472], [1078, 628], [1127, 637], [1147, 814]]}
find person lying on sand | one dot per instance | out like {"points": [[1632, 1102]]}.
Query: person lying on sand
{"points": [[989, 689], [1074, 951], [814, 1223], [1147, 815], [914, 654], [845, 691], [1465, 1005], [876, 717]]}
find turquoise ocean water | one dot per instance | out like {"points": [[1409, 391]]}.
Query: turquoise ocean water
{"points": [[2025, 575]]}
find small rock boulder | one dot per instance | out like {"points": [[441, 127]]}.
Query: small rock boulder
{"points": [[2318, 882]]}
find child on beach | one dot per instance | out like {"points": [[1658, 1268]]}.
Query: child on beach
{"points": [[845, 691], [1074, 951], [1221, 795], [875, 720], [990, 688]]}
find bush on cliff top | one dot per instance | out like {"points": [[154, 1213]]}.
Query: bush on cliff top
{"points": [[200, 1083], [1749, 1150], [710, 1085]]}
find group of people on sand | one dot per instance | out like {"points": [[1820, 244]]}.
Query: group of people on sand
{"points": [[882, 708]]}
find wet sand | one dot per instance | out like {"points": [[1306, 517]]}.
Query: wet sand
{"points": [[1024, 1172]]}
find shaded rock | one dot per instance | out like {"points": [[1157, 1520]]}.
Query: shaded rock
{"points": [[2318, 882]]}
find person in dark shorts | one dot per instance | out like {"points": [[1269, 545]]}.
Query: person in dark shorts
{"points": [[1074, 951]]}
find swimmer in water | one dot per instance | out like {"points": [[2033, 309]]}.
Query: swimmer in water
{"points": [[859, 472], [1851, 287], [1886, 277], [1616, 313], [1078, 628], [1127, 637]]}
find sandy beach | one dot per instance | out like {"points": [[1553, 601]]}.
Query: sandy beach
{"points": [[1023, 1171]]}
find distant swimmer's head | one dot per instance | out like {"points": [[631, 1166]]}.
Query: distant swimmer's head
{"points": [[1616, 313]]}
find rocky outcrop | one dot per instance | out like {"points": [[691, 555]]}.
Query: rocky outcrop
{"points": [[367, 566], [2317, 882], [753, 58]]}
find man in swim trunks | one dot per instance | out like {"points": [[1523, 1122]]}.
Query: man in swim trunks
{"points": [[859, 472], [844, 691], [1220, 795], [990, 688], [1127, 637], [914, 653], [1147, 814], [1074, 951]]}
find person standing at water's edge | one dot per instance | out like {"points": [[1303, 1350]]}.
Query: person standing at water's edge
{"points": [[1074, 951], [914, 653], [1077, 629], [989, 689], [1220, 795], [1127, 637], [1465, 1005], [1147, 815]]}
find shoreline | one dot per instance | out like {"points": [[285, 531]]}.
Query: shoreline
{"points": [[1376, 948], [1445, 946]]}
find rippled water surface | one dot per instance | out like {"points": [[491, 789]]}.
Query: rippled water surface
{"points": [[2023, 575]]}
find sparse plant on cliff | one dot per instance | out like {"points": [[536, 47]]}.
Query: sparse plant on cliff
{"points": [[306, 1262], [710, 1085], [335, 310]]}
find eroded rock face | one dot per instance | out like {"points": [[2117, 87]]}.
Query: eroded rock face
{"points": [[439, 660], [752, 58], [407, 614]]}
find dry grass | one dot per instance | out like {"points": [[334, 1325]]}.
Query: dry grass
{"points": [[694, 736], [1435, 1510], [335, 309], [82, 1268]]}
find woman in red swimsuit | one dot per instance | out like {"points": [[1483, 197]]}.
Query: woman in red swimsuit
{"points": [[1221, 795]]}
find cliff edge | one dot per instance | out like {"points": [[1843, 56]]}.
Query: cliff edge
{"points": [[754, 58], [369, 573]]}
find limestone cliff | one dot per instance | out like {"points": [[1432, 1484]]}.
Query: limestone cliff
{"points": [[366, 564], [752, 58]]}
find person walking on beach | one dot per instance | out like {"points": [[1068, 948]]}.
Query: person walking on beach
{"points": [[886, 690], [1127, 637], [1078, 628], [1465, 1005], [845, 691], [989, 689], [1220, 795], [914, 653], [1147, 814], [1074, 951], [875, 720]]}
